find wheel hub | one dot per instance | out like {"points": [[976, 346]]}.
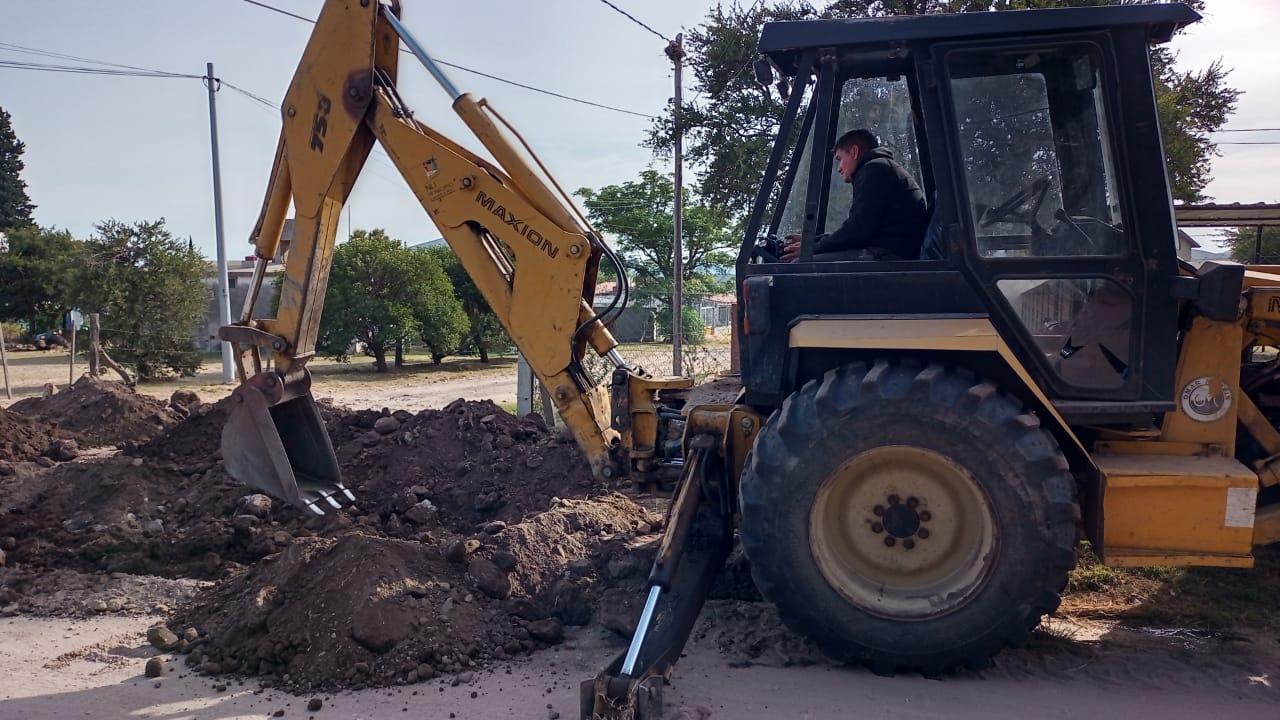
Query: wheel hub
{"points": [[900, 520], [903, 532]]}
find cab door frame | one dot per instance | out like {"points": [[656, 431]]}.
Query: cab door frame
{"points": [[1147, 268]]}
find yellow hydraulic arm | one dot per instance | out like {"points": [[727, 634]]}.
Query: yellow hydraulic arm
{"points": [[531, 254]]}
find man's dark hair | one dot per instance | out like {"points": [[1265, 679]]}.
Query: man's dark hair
{"points": [[862, 138]]}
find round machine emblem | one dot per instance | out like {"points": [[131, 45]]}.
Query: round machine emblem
{"points": [[1206, 399]]}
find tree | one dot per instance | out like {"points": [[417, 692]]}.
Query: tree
{"points": [[639, 214], [381, 292], [37, 275], [731, 123], [442, 317], [486, 332], [1243, 243], [150, 289], [15, 206]]}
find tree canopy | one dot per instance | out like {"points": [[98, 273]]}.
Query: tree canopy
{"points": [[149, 288], [731, 121], [1242, 243], [37, 276], [381, 293], [639, 214], [486, 333], [15, 206]]}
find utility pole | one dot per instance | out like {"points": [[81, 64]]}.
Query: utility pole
{"points": [[675, 51], [224, 296]]}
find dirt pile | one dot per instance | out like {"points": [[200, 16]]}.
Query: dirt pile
{"points": [[475, 536], [101, 412], [23, 439], [475, 462], [362, 610]]}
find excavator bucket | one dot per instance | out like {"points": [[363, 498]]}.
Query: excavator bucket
{"points": [[282, 450]]}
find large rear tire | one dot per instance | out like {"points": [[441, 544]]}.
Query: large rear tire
{"points": [[908, 517]]}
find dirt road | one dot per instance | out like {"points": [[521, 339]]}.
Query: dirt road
{"points": [[51, 668], [416, 386]]}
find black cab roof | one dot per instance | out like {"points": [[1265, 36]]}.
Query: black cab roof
{"points": [[782, 42]]}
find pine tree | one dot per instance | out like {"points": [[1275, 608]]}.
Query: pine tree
{"points": [[15, 206]]}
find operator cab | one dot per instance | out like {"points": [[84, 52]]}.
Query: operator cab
{"points": [[1035, 139]]}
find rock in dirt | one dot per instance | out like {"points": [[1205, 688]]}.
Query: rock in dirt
{"points": [[257, 505], [422, 513], [386, 425], [155, 668], [184, 401], [380, 624], [162, 638], [101, 412], [491, 580], [63, 450], [549, 631], [315, 705]]}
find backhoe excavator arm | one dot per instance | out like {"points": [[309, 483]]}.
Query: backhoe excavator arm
{"points": [[530, 254]]}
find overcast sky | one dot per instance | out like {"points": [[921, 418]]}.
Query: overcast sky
{"points": [[102, 147]]}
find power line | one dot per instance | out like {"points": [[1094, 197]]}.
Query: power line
{"points": [[85, 70], [633, 19], [13, 47], [1274, 129], [278, 10], [497, 78]]}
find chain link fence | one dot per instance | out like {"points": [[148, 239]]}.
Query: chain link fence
{"points": [[644, 338]]}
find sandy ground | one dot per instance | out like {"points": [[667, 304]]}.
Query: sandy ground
{"points": [[58, 668], [416, 386]]}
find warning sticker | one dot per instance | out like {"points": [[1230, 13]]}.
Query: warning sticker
{"points": [[1241, 503]]}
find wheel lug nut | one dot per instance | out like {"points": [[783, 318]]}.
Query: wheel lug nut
{"points": [[922, 533], [877, 528], [925, 516], [893, 500], [889, 540], [912, 503], [908, 543], [878, 510]]}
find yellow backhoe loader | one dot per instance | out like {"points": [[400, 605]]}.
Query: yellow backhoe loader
{"points": [[917, 445]]}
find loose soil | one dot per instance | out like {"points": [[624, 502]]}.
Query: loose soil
{"points": [[23, 439], [476, 537], [100, 412]]}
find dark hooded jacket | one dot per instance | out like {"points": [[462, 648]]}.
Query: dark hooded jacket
{"points": [[888, 210]]}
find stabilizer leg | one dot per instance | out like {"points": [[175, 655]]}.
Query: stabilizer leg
{"points": [[698, 540]]}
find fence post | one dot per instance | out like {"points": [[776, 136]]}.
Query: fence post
{"points": [[4, 362], [94, 346], [524, 386]]}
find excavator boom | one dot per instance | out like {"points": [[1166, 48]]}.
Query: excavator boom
{"points": [[532, 256]]}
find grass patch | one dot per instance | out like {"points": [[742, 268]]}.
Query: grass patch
{"points": [[1210, 598]]}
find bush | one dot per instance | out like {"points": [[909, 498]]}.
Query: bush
{"points": [[692, 330]]}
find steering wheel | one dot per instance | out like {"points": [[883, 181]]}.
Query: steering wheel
{"points": [[1012, 209], [768, 249]]}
